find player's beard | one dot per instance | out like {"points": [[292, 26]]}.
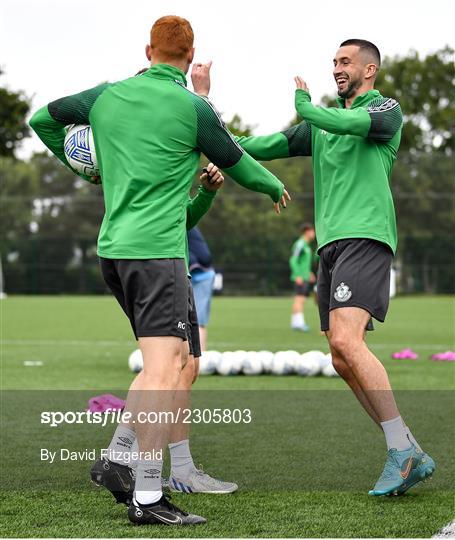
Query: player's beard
{"points": [[351, 88]]}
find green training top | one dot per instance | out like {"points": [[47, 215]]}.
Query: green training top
{"points": [[149, 131], [198, 206], [353, 153], [301, 260], [195, 209]]}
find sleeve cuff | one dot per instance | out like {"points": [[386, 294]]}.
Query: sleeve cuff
{"points": [[206, 192], [303, 95]]}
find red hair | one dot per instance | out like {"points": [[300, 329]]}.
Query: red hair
{"points": [[171, 37]]}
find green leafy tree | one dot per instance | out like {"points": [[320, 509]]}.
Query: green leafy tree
{"points": [[18, 188], [423, 192], [70, 211], [51, 217], [14, 107], [237, 127], [424, 87]]}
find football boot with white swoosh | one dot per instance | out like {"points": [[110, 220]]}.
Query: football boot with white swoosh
{"points": [[163, 512]]}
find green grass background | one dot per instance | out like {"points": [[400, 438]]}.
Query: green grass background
{"points": [[84, 343]]}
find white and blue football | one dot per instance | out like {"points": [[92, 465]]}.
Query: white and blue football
{"points": [[80, 150], [266, 358], [284, 362], [329, 370], [308, 364], [135, 361], [208, 362], [229, 364], [252, 364]]}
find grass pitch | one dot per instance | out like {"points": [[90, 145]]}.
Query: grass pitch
{"points": [[304, 465]]}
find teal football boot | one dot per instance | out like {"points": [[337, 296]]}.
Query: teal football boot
{"points": [[403, 470], [423, 472]]}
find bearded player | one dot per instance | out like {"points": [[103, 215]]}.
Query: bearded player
{"points": [[353, 147]]}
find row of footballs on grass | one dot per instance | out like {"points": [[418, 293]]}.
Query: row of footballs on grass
{"points": [[308, 364]]}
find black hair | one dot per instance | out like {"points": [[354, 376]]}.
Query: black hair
{"points": [[365, 45]]}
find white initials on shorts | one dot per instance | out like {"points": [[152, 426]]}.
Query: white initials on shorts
{"points": [[342, 293], [181, 325]]}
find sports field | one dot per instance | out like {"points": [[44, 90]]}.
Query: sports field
{"points": [[304, 464]]}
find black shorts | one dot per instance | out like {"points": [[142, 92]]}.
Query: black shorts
{"points": [[153, 293], [303, 289], [193, 325], [354, 273]]}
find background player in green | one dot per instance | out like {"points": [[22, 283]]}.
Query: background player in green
{"points": [[303, 278], [149, 131], [353, 148]]}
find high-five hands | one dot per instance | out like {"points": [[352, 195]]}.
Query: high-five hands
{"points": [[301, 84], [200, 77], [212, 178]]}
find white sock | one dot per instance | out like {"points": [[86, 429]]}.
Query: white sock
{"points": [[134, 450], [182, 464], [148, 481], [297, 320], [122, 441], [395, 434], [411, 438]]}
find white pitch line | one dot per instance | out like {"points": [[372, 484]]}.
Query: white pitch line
{"points": [[446, 532], [323, 344], [65, 342], [223, 344]]}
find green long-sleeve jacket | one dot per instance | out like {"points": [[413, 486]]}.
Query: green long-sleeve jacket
{"points": [[149, 132], [195, 210], [300, 260], [198, 206], [353, 151]]}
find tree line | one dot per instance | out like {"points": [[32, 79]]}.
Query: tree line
{"points": [[50, 218]]}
